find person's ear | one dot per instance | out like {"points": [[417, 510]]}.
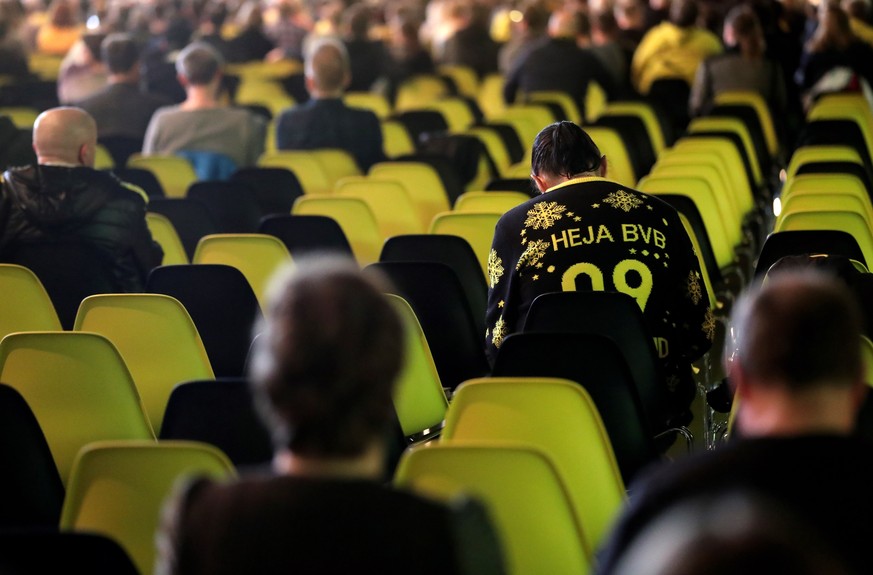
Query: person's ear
{"points": [[540, 182], [183, 81], [87, 154], [603, 166]]}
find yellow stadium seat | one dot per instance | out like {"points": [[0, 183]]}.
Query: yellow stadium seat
{"points": [[174, 173], [355, 218]]}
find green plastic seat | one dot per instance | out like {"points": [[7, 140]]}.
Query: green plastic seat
{"points": [[257, 256], [498, 202], [164, 233], [355, 218], [560, 418], [78, 387], [475, 227], [419, 399], [391, 205], [25, 305], [157, 339], [523, 491], [119, 489]]}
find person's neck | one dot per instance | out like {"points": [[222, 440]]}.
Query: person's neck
{"points": [[367, 465], [199, 98], [123, 78], [778, 412], [59, 162]]}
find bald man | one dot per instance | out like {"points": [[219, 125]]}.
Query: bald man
{"points": [[558, 63], [325, 121], [63, 198]]}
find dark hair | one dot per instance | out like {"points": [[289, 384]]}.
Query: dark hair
{"points": [[683, 13], [119, 53], [357, 20], [747, 30], [564, 149], [199, 62], [801, 328], [730, 533], [536, 16], [327, 359]]}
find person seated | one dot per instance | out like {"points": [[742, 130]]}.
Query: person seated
{"points": [[585, 232], [325, 121], [201, 123], [743, 67], [367, 58], [559, 64], [63, 198], [794, 361], [673, 49], [121, 109], [323, 374]]}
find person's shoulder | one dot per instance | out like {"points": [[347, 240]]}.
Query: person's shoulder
{"points": [[164, 112]]}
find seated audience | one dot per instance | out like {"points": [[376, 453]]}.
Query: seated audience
{"points": [[529, 31], [673, 49], [743, 66], [82, 73], [61, 31], [63, 198], [731, 534], [585, 232], [201, 123], [559, 64], [833, 48], [121, 109], [251, 43], [325, 121], [796, 369], [471, 44], [367, 58], [325, 366]]}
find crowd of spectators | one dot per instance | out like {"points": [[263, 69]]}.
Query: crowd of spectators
{"points": [[785, 50]]}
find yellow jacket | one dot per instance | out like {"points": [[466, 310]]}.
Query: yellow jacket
{"points": [[667, 51]]}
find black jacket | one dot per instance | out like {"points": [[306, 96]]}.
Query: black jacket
{"points": [[40, 204]]}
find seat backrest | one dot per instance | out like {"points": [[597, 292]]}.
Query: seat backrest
{"points": [[475, 227], [828, 153], [852, 222], [275, 189], [309, 171], [233, 205], [419, 400], [78, 387], [221, 413], [439, 302], [422, 183], [336, 164], [355, 218], [31, 491], [554, 415], [69, 270], [596, 363], [165, 234], [396, 140], [619, 166], [157, 339], [755, 101], [721, 124], [175, 173], [617, 316], [374, 102], [452, 251], [647, 114], [143, 179], [498, 202], [701, 193], [118, 489], [257, 256], [825, 184], [191, 218], [798, 242], [25, 305], [47, 551], [526, 498], [121, 148], [636, 140], [391, 205], [222, 305], [723, 147], [302, 234]]}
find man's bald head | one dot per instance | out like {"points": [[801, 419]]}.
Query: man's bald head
{"points": [[65, 136], [327, 69]]}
